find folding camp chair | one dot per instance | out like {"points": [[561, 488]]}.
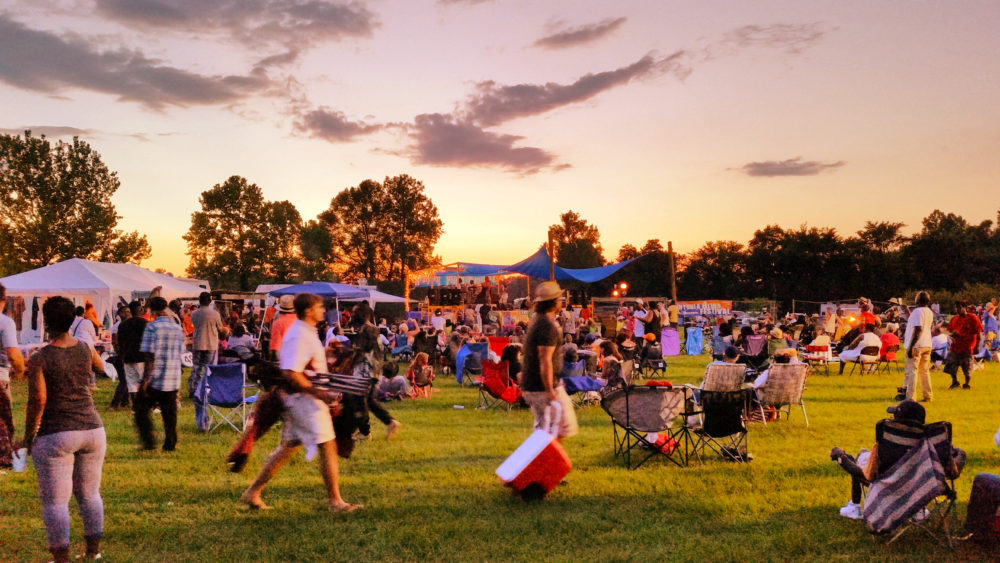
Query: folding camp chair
{"points": [[694, 343], [784, 387], [496, 390], [889, 359], [724, 377], [818, 356], [573, 369], [756, 344], [653, 362], [222, 394], [577, 387], [497, 344], [638, 412], [479, 348], [723, 429], [917, 470]]}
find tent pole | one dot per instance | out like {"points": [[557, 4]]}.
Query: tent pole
{"points": [[673, 272], [552, 260]]}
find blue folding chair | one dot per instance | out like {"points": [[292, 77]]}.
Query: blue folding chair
{"points": [[695, 342], [577, 387], [221, 397], [573, 369], [481, 348]]}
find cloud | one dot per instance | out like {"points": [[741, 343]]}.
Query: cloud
{"points": [[47, 131], [440, 140], [332, 126], [791, 167], [493, 104], [289, 23], [44, 62], [792, 38], [580, 35]]}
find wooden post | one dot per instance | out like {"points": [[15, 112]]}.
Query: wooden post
{"points": [[673, 272], [406, 289], [552, 260]]}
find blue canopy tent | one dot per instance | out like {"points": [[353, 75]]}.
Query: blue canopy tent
{"points": [[536, 266], [324, 289], [337, 291]]}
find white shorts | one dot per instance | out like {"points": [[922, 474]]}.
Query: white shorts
{"points": [[306, 419], [133, 376]]}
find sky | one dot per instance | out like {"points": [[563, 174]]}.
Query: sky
{"points": [[680, 121]]}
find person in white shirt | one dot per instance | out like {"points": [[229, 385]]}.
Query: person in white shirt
{"points": [[11, 365], [239, 337], [82, 329], [864, 340], [640, 317], [917, 343], [306, 419]]}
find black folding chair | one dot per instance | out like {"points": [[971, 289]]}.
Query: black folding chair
{"points": [[723, 429]]}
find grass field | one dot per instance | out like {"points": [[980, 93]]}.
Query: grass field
{"points": [[431, 494]]}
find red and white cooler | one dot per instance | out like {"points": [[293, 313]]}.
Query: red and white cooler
{"points": [[540, 461]]}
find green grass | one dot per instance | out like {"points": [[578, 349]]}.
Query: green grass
{"points": [[431, 494]]}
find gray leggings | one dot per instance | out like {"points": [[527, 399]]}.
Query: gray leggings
{"points": [[70, 463]]}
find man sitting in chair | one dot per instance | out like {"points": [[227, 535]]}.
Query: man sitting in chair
{"points": [[864, 469], [865, 339]]}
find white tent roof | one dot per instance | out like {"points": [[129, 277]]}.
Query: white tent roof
{"points": [[79, 276], [102, 283]]}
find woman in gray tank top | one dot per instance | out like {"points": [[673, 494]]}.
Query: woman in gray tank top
{"points": [[64, 433]]}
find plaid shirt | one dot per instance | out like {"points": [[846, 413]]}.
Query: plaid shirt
{"points": [[165, 340]]}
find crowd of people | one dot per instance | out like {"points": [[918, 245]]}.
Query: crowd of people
{"points": [[307, 337]]}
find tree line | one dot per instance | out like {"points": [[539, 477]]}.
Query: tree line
{"points": [[949, 255], [55, 204]]}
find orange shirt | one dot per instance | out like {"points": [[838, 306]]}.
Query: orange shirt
{"points": [[278, 329]]}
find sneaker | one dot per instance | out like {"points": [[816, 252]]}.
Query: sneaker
{"points": [[392, 429], [851, 510], [359, 437], [966, 386], [921, 516], [954, 385]]}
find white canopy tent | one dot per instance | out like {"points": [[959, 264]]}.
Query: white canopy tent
{"points": [[104, 284]]}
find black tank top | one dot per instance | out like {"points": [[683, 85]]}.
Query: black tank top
{"points": [[69, 404]]}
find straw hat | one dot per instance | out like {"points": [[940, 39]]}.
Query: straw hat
{"points": [[547, 291], [776, 333], [286, 303]]}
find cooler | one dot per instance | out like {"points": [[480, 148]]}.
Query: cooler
{"points": [[540, 459]]}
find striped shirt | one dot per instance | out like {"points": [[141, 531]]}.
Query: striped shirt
{"points": [[165, 340]]}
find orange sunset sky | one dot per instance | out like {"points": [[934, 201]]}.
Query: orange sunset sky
{"points": [[683, 121]]}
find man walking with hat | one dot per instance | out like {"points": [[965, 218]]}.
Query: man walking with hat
{"points": [[543, 362]]}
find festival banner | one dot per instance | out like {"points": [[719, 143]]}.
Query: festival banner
{"points": [[706, 308]]}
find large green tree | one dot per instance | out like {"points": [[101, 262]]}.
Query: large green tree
{"points": [[238, 239], [316, 248], [577, 243], [380, 229], [55, 204]]}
